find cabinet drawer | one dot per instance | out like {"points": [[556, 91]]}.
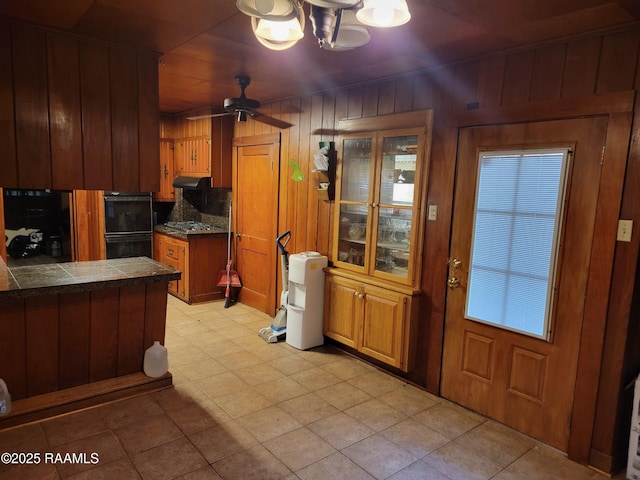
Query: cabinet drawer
{"points": [[172, 251]]}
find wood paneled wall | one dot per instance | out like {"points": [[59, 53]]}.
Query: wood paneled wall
{"points": [[76, 114], [549, 82], [61, 341]]}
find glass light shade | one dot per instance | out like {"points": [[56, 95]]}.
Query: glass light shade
{"points": [[384, 13], [279, 45], [351, 33], [279, 31], [333, 3], [268, 9]]}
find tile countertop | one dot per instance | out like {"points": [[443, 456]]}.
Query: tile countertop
{"points": [[49, 279]]}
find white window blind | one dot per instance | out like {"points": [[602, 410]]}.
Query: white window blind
{"points": [[517, 216]]}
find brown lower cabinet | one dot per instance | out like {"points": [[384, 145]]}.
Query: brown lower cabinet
{"points": [[371, 318], [199, 258]]}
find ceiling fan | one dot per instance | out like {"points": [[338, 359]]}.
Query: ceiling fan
{"points": [[242, 106]]}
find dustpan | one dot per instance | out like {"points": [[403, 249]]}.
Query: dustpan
{"points": [[228, 278]]}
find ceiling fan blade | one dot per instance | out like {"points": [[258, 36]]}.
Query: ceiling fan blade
{"points": [[274, 122], [198, 117]]}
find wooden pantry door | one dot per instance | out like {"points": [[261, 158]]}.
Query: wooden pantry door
{"points": [[255, 198]]}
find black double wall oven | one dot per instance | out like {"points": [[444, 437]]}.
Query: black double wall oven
{"points": [[128, 224]]}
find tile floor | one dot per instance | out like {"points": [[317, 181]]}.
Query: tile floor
{"points": [[243, 409]]}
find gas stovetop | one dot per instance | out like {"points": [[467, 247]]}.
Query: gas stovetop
{"points": [[192, 227]]}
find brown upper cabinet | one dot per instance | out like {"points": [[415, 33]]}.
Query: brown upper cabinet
{"points": [[76, 114], [203, 147]]}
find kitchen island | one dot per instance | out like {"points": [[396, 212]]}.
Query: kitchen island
{"points": [[74, 334]]}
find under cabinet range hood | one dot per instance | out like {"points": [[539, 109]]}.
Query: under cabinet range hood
{"points": [[192, 183]]}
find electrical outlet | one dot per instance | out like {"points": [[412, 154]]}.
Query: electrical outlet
{"points": [[624, 230]]}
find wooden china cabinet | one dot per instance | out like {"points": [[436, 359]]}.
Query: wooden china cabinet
{"points": [[371, 292]]}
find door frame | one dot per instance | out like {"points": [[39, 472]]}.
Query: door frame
{"points": [[619, 106], [274, 140]]}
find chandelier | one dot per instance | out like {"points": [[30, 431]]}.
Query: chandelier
{"points": [[337, 24]]}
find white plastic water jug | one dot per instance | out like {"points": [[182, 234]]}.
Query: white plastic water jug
{"points": [[5, 399], [156, 362]]}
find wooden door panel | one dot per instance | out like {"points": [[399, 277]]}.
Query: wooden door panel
{"points": [[341, 316], [525, 382], [382, 326], [256, 221]]}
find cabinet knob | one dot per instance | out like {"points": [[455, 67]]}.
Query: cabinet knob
{"points": [[361, 296], [374, 205]]}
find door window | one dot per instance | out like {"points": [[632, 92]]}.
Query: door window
{"points": [[517, 218]]}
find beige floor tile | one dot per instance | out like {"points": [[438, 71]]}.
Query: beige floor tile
{"points": [[347, 367], [308, 408], [315, 378], [257, 374], [542, 463], [458, 463], [68, 428], [299, 448], [96, 450], [281, 390], [409, 399], [202, 369], [376, 383], [238, 360], [292, 364], [120, 469], [376, 415], [129, 411], [180, 396], [335, 466], [341, 430], [269, 423], [24, 438], [204, 473], [169, 461], [255, 463], [221, 385], [496, 442], [419, 471], [243, 402], [343, 395], [448, 420], [198, 416], [379, 456], [41, 471], [415, 438], [147, 432], [222, 349], [222, 441]]}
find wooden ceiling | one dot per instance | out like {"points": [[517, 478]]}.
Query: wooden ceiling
{"points": [[205, 43]]}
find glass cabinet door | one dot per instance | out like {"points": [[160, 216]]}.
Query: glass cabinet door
{"points": [[397, 197], [356, 193]]}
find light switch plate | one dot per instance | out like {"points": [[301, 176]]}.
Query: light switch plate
{"points": [[624, 230], [433, 212]]}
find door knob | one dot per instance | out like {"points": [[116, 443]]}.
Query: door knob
{"points": [[453, 282], [455, 263]]}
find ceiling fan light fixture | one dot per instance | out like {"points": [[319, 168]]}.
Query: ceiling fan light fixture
{"points": [[384, 13], [287, 31], [279, 10]]}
